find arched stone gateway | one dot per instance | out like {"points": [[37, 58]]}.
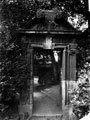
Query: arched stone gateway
{"points": [[50, 33]]}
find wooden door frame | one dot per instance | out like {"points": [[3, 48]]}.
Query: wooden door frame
{"points": [[65, 48]]}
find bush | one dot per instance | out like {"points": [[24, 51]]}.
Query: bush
{"points": [[81, 99]]}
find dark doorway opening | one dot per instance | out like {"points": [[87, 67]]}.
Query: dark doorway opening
{"points": [[47, 80]]}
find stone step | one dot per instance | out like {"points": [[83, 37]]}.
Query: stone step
{"points": [[47, 117]]}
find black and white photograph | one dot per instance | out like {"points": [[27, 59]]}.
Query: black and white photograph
{"points": [[44, 59]]}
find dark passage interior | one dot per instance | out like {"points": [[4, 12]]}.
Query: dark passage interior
{"points": [[47, 77]]}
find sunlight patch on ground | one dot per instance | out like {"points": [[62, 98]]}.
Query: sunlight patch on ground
{"points": [[37, 94], [47, 101]]}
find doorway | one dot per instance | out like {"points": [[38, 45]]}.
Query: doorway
{"points": [[47, 64]]}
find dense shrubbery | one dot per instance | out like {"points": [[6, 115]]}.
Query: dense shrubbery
{"points": [[81, 96], [13, 68]]}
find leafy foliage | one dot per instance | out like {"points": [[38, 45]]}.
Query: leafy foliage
{"points": [[80, 95], [83, 54], [81, 98], [18, 13], [13, 66]]}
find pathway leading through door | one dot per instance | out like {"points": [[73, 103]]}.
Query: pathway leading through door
{"points": [[46, 95], [46, 99]]}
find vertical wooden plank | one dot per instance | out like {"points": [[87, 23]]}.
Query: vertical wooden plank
{"points": [[31, 80], [73, 67], [60, 62], [63, 64], [63, 77], [67, 75]]}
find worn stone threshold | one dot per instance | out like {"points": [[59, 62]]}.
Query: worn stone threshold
{"points": [[47, 117], [60, 117], [38, 115]]}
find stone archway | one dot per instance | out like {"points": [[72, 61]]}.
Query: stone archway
{"points": [[65, 75], [67, 71], [52, 35]]}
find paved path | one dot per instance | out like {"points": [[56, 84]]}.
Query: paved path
{"points": [[67, 114], [46, 102]]}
